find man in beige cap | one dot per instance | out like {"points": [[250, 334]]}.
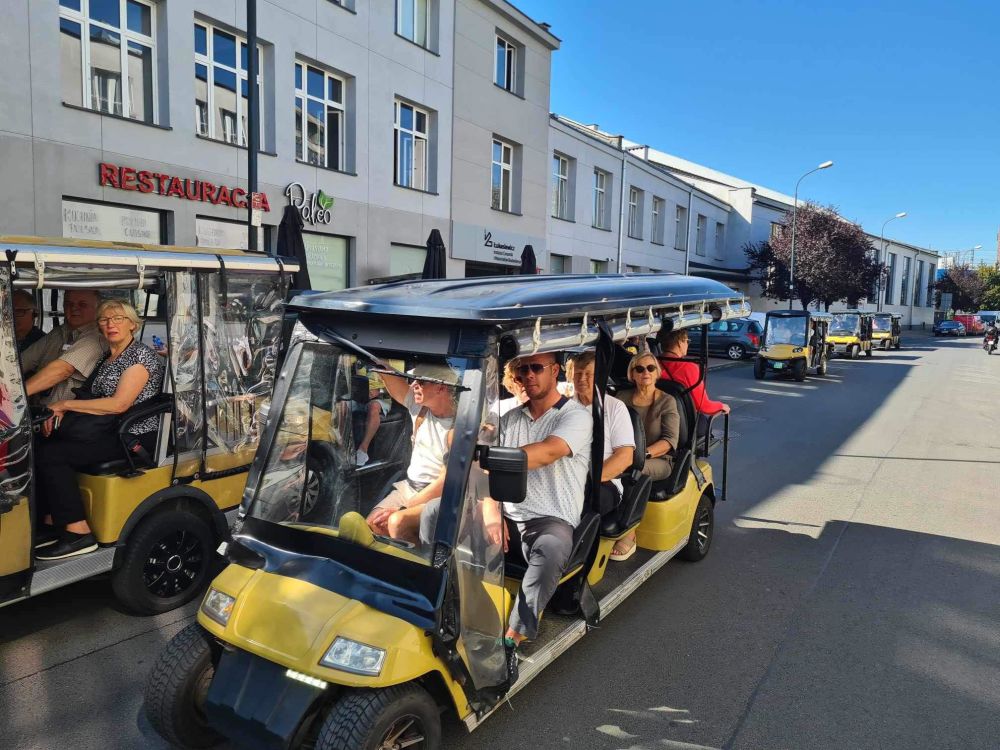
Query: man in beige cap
{"points": [[430, 398]]}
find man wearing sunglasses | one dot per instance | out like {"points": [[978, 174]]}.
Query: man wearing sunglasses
{"points": [[556, 433]]}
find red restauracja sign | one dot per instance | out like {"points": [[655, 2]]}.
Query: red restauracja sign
{"points": [[144, 181]]}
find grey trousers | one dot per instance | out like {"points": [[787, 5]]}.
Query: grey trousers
{"points": [[546, 543]]}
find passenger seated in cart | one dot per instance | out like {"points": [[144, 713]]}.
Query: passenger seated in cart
{"points": [[66, 356], [130, 374], [674, 344], [374, 410], [430, 398], [619, 441], [25, 319]]}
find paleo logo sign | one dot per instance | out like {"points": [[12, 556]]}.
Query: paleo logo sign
{"points": [[316, 208]]}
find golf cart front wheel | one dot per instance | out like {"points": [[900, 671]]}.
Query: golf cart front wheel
{"points": [[402, 716], [177, 687], [758, 368]]}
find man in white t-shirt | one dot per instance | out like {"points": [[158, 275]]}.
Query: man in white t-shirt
{"points": [[619, 437], [430, 399]]}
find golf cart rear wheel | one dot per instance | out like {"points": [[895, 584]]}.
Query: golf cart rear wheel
{"points": [[758, 368], [402, 716], [702, 528], [821, 368], [176, 690], [869, 351], [855, 351]]}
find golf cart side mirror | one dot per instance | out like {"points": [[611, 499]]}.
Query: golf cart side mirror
{"points": [[508, 470]]}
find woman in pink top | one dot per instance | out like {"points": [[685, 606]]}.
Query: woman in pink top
{"points": [[675, 345]]}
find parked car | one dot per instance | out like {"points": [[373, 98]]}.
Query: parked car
{"points": [[734, 339], [973, 323], [949, 328]]}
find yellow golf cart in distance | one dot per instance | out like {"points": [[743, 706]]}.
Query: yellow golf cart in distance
{"points": [[321, 634], [851, 333], [794, 341], [158, 518], [886, 330]]}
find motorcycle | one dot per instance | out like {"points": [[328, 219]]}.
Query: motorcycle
{"points": [[990, 342]]}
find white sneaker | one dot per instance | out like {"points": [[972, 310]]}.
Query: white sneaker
{"points": [[360, 458]]}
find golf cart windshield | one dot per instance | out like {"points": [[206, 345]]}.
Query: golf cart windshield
{"points": [[342, 445], [782, 330], [882, 323], [844, 324]]}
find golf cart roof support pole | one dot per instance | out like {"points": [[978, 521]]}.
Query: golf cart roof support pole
{"points": [[253, 128]]}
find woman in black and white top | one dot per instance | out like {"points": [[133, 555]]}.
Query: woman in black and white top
{"points": [[130, 374]]}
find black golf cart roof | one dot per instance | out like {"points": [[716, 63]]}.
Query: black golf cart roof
{"points": [[507, 299]]}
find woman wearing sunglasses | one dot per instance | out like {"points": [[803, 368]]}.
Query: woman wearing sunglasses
{"points": [[661, 422]]}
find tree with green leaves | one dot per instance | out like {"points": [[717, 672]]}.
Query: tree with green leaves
{"points": [[990, 299], [964, 285], [834, 259]]}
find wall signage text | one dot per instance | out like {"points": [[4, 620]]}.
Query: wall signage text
{"points": [[144, 181], [314, 209]]}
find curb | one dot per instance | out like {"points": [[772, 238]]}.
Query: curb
{"points": [[729, 365]]}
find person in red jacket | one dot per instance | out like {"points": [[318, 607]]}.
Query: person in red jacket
{"points": [[674, 344]]}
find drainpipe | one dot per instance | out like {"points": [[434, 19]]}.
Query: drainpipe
{"points": [[687, 234]]}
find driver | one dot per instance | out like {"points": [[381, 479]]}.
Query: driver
{"points": [[430, 399]]}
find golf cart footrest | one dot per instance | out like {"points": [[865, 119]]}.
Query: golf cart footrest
{"points": [[255, 704]]}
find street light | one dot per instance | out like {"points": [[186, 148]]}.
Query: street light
{"points": [[878, 299], [795, 207], [972, 254]]}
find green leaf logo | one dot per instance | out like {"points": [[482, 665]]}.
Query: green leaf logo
{"points": [[325, 201]]}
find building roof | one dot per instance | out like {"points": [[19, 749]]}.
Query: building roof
{"points": [[539, 29]]}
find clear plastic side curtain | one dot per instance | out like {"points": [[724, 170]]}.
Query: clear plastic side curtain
{"points": [[225, 331], [15, 420]]}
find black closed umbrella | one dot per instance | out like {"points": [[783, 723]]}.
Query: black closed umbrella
{"points": [[434, 261], [528, 263], [291, 245]]}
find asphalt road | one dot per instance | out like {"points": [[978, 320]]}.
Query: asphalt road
{"points": [[849, 600]]}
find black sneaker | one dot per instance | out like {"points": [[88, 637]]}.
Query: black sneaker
{"points": [[510, 649], [45, 535], [69, 545]]}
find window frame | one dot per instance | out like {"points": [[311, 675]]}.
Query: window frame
{"points": [[600, 198], [890, 277], [904, 280], [416, 135], [510, 63], [634, 213], [680, 228], [126, 36], [720, 241], [560, 190], [207, 59], [507, 167], [700, 230], [301, 149], [656, 221], [428, 8]]}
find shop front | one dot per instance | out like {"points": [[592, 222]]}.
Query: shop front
{"points": [[488, 251]]}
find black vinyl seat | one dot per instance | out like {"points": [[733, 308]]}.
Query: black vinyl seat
{"points": [[131, 464], [584, 536], [636, 488], [684, 453]]}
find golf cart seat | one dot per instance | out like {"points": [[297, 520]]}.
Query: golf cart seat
{"points": [[636, 488], [664, 489], [129, 464], [584, 536]]}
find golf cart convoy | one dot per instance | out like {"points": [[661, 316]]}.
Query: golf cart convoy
{"points": [[322, 634]]}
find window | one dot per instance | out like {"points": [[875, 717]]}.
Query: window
{"points": [[505, 65], [405, 259], [680, 229], [502, 175], [635, 213], [328, 257], [656, 235], [720, 240], [699, 236], [890, 278], [319, 117], [560, 186], [904, 281], [559, 263], [776, 229], [106, 56], [631, 269], [221, 91], [411, 146], [598, 266], [600, 199], [413, 20]]}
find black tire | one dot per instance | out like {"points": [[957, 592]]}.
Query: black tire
{"points": [[759, 368], [822, 367], [855, 351], [176, 689], [702, 528], [869, 352], [799, 370], [167, 561], [898, 345], [736, 352], [365, 719]]}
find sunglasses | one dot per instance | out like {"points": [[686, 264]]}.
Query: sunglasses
{"points": [[646, 368], [536, 367]]}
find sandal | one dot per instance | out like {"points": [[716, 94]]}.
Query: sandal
{"points": [[620, 556]]}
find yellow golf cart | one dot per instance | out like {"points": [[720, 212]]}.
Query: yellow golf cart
{"points": [[321, 634], [794, 341], [851, 333], [885, 330], [158, 517]]}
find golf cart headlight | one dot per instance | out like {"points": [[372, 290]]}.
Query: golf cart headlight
{"points": [[797, 350], [351, 656], [218, 606]]}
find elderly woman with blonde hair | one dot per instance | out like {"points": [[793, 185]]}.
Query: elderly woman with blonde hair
{"points": [[129, 374]]}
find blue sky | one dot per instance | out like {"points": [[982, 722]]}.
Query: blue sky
{"points": [[903, 96]]}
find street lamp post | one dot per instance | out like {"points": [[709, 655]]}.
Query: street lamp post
{"points": [[795, 207], [882, 249]]}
